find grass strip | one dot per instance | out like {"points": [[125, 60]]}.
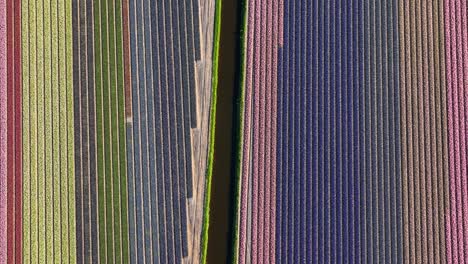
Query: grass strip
{"points": [[240, 134], [214, 87]]}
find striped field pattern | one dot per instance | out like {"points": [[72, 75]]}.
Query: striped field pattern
{"points": [[354, 132], [105, 129]]}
